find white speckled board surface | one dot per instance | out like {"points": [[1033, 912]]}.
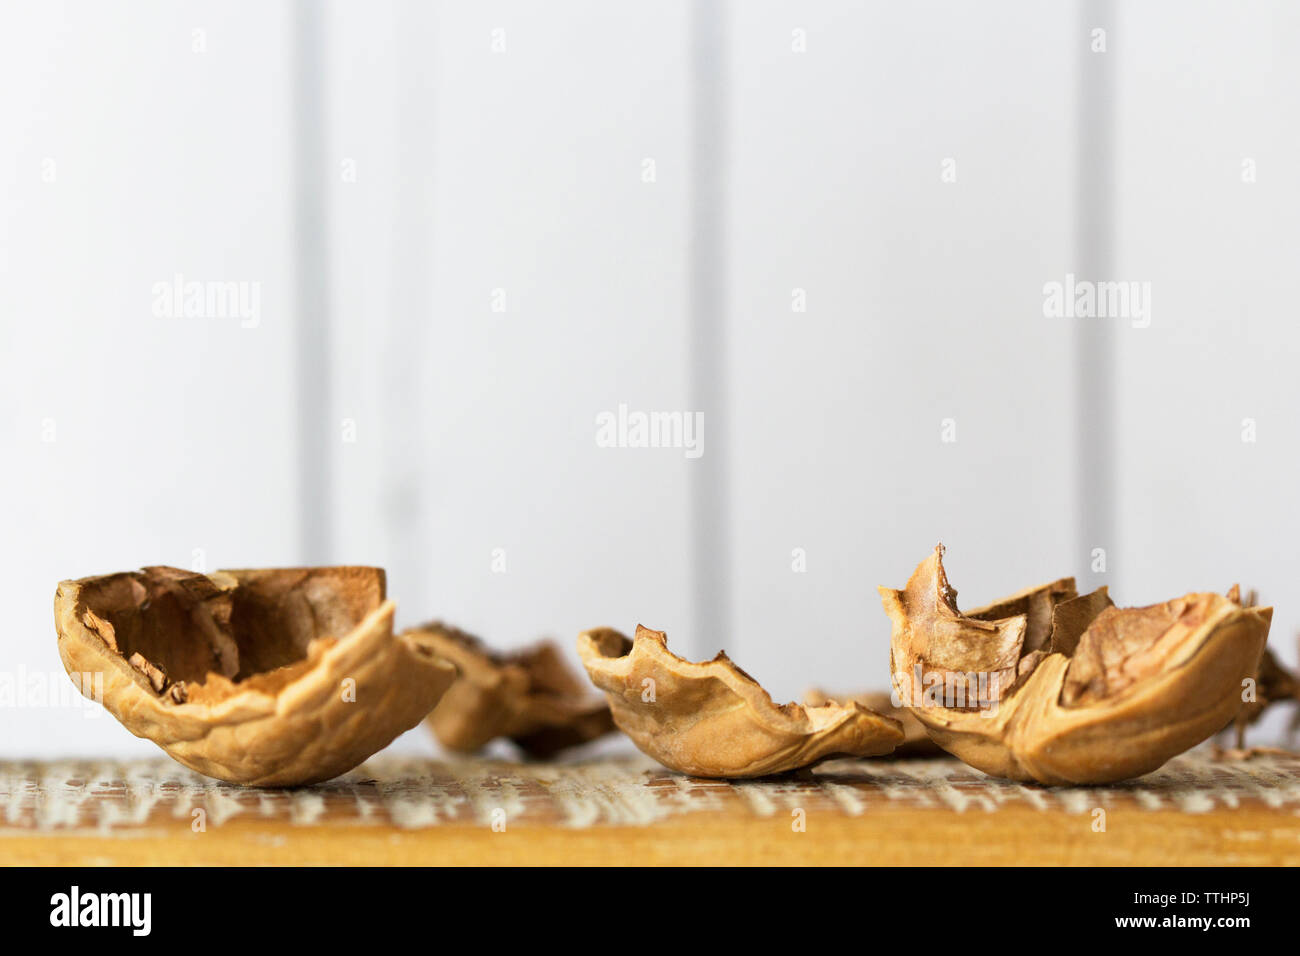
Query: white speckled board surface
{"points": [[1198, 809]]}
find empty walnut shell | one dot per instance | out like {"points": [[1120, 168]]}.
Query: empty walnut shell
{"points": [[1065, 689], [916, 742], [267, 678], [529, 696], [713, 719]]}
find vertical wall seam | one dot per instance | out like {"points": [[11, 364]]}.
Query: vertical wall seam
{"points": [[311, 284], [710, 531], [409, 329], [1094, 339]]}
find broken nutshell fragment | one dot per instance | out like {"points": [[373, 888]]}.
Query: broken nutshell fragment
{"points": [[713, 719], [1274, 684], [268, 677], [916, 742], [529, 696], [1060, 688]]}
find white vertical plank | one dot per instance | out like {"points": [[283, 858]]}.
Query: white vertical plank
{"points": [[501, 147], [1207, 89], [139, 142], [923, 303]]}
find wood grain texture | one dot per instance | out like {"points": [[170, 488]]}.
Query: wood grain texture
{"points": [[1195, 810]]}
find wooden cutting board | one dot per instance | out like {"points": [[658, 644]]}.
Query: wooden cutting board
{"points": [[629, 810]]}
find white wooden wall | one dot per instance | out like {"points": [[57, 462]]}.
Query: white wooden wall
{"points": [[128, 157], [449, 160], [923, 304]]}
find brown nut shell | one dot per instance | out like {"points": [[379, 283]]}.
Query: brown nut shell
{"points": [[1107, 695], [265, 677], [529, 696], [714, 720], [1273, 684], [916, 742]]}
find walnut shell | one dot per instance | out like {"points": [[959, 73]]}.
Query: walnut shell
{"points": [[1087, 693], [1273, 684], [916, 742], [529, 696], [267, 678], [713, 719]]}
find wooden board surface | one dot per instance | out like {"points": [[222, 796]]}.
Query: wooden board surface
{"points": [[1195, 810]]}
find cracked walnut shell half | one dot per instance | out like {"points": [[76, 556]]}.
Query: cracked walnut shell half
{"points": [[266, 678], [1062, 688], [530, 696], [714, 720]]}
